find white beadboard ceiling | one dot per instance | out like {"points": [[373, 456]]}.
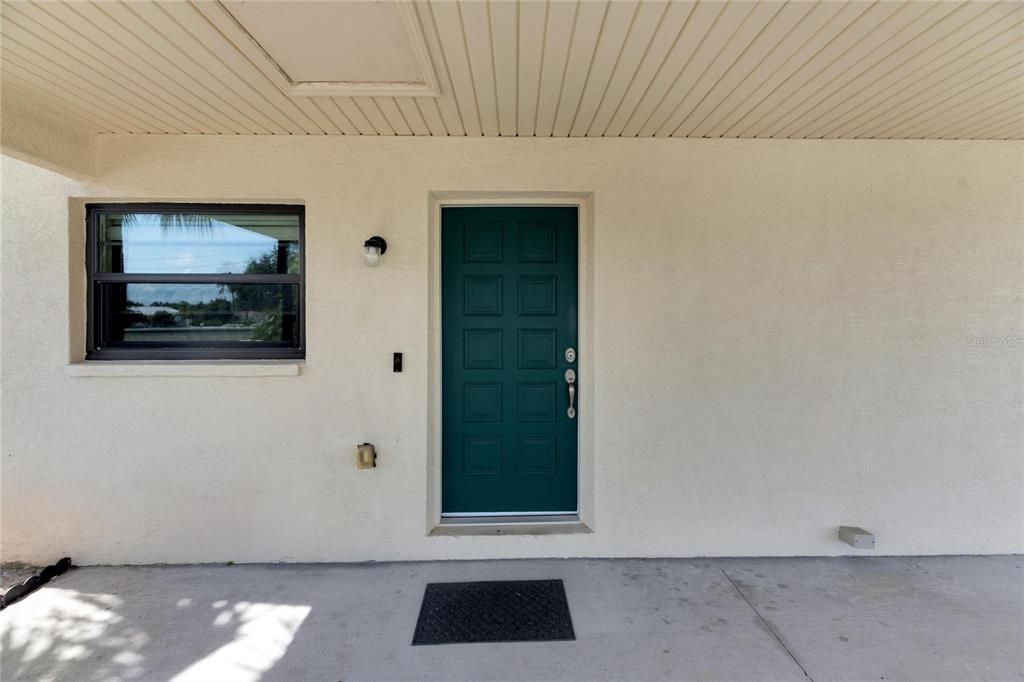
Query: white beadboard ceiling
{"points": [[534, 68]]}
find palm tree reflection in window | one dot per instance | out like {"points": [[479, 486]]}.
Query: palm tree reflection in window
{"points": [[267, 311], [280, 321]]}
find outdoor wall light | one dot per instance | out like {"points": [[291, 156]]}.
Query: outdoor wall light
{"points": [[373, 249]]}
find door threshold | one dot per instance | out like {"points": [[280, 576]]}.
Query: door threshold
{"points": [[519, 524], [509, 515]]}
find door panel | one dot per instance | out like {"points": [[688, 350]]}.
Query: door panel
{"points": [[509, 311]]}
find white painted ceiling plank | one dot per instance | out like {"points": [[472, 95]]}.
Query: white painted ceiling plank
{"points": [[448, 24], [329, 108], [104, 48], [504, 33], [973, 118], [670, 50], [533, 21], [733, 35], [660, 48], [36, 30], [871, 20], [226, 24], [884, 42], [373, 114], [760, 50], [34, 99], [131, 49], [982, 123], [411, 114], [962, 96], [818, 27], [59, 100], [355, 114], [980, 57], [1000, 131], [59, 64], [326, 116], [554, 67], [176, 59], [446, 103], [285, 110], [645, 25], [974, 101], [988, 22], [617, 25], [475, 26], [590, 21], [1013, 130], [695, 51], [190, 40], [199, 60], [395, 118], [427, 107], [927, 91], [52, 81], [90, 36], [559, 38]]}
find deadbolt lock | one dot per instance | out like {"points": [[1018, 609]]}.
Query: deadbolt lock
{"points": [[570, 354]]}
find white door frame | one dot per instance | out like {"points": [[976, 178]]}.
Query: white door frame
{"points": [[584, 203]]}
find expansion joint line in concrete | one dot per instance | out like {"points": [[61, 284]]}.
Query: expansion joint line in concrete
{"points": [[767, 625]]}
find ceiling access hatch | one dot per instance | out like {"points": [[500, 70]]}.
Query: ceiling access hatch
{"points": [[354, 49]]}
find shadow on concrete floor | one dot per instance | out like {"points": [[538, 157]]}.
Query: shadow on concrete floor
{"points": [[936, 618]]}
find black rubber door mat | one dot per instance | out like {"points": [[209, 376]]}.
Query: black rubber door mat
{"points": [[494, 611]]}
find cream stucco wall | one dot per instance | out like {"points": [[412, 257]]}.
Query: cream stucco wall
{"points": [[787, 335]]}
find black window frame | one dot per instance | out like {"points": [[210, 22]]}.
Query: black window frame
{"points": [[189, 351]]}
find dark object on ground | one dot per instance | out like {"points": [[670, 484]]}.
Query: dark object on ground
{"points": [[499, 611], [20, 590]]}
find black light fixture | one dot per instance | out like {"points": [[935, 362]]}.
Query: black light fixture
{"points": [[373, 249]]}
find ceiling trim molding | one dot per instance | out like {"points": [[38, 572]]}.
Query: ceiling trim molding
{"points": [[361, 89], [428, 87]]}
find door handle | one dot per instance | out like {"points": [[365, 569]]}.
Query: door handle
{"points": [[570, 378]]}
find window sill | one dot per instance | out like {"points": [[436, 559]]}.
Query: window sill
{"points": [[511, 525], [185, 368]]}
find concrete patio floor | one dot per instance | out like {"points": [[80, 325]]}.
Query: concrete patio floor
{"points": [[935, 618]]}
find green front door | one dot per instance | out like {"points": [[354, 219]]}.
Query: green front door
{"points": [[509, 318]]}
